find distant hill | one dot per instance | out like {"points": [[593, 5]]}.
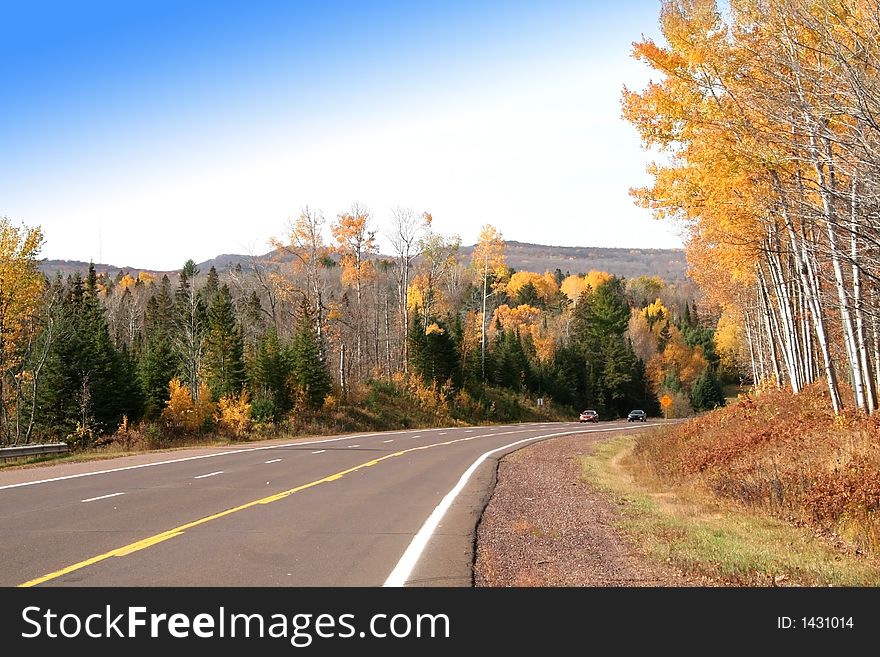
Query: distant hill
{"points": [[669, 264]]}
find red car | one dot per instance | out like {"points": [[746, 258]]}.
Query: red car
{"points": [[589, 416]]}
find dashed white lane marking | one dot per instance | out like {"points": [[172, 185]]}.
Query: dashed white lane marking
{"points": [[273, 461], [320, 451], [350, 446], [392, 440], [419, 436], [210, 474], [442, 433], [102, 497], [185, 459]]}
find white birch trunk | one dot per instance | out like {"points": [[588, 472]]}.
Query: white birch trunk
{"points": [[857, 302], [766, 311], [809, 284], [826, 189]]}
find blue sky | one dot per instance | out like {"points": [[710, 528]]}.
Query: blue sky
{"points": [[143, 134]]}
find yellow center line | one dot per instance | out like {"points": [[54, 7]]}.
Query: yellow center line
{"points": [[150, 541]]}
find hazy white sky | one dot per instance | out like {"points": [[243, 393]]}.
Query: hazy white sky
{"points": [[146, 135]]}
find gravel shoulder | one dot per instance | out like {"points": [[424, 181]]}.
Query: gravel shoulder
{"points": [[545, 526]]}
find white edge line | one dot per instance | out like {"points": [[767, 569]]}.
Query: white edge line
{"points": [[102, 497], [22, 484], [410, 558], [210, 474], [209, 456]]}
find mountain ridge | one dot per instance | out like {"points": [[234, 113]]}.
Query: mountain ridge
{"points": [[627, 262]]}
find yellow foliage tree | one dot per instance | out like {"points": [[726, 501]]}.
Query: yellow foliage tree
{"points": [[234, 413], [127, 282], [677, 358], [146, 278], [595, 278], [729, 340], [21, 287], [181, 412], [655, 313], [574, 286], [545, 285]]}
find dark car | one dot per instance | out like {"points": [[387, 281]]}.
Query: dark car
{"points": [[589, 416], [637, 416]]}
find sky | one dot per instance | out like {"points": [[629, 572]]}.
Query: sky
{"points": [[143, 134]]}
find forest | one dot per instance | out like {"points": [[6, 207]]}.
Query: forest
{"points": [[764, 123], [86, 358]]}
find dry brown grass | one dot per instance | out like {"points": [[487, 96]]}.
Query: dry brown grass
{"points": [[786, 455], [688, 525]]}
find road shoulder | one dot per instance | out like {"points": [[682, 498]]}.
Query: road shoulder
{"points": [[546, 526]]}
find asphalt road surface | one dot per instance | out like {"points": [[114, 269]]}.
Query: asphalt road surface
{"points": [[395, 509]]}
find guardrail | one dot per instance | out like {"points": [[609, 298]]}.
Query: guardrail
{"points": [[32, 450]]}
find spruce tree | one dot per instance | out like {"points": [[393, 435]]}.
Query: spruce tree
{"points": [[440, 359], [418, 346], [664, 337], [270, 371], [528, 295], [88, 385], [309, 373], [224, 351], [706, 392], [158, 362], [212, 286], [512, 369]]}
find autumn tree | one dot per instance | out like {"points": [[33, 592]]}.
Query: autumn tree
{"points": [[490, 269], [21, 289], [406, 235], [768, 122], [355, 242], [305, 242]]}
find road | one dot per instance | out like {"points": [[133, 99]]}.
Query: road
{"points": [[394, 508]]}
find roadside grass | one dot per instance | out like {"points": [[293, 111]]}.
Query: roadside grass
{"points": [[685, 527]]}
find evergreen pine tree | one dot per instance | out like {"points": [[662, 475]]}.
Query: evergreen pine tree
{"points": [[212, 286], [528, 295], [224, 351], [309, 374], [616, 376], [441, 356], [512, 368], [270, 370], [87, 384], [418, 346], [706, 392], [158, 362], [664, 337]]}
